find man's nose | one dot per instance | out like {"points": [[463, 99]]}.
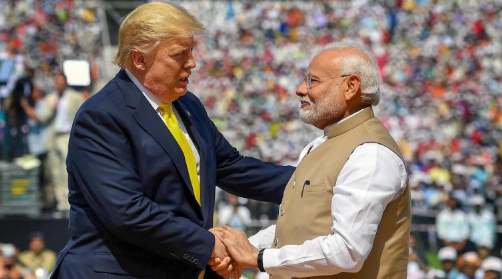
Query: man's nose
{"points": [[302, 89], [190, 63]]}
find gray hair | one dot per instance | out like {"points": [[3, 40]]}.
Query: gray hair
{"points": [[356, 65]]}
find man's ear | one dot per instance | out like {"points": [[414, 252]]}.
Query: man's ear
{"points": [[353, 86], [138, 60]]}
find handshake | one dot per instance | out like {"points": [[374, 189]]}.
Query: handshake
{"points": [[232, 251]]}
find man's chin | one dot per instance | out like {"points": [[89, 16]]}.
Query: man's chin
{"points": [[304, 112], [181, 91], [306, 116]]}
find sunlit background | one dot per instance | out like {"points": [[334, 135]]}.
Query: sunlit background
{"points": [[441, 71]]}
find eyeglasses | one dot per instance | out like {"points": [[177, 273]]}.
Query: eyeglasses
{"points": [[313, 81]]}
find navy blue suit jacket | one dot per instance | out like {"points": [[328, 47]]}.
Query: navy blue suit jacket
{"points": [[133, 213]]}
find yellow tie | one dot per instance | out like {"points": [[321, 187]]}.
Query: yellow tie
{"points": [[172, 123]]}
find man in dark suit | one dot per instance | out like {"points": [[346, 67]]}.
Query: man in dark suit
{"points": [[144, 159]]}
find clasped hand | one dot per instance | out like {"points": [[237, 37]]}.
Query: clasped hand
{"points": [[232, 251]]}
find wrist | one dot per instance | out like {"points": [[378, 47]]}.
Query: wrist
{"points": [[259, 260]]}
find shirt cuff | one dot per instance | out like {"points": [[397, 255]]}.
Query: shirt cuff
{"points": [[254, 241], [270, 258]]}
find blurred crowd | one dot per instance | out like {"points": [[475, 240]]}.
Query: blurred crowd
{"points": [[450, 264], [441, 65], [42, 34], [36, 105], [36, 262]]}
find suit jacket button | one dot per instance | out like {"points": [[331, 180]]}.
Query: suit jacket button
{"points": [[275, 241], [283, 212]]}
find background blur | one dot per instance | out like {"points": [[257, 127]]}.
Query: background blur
{"points": [[441, 66]]}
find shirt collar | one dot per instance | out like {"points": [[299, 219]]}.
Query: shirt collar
{"points": [[345, 119], [149, 95]]}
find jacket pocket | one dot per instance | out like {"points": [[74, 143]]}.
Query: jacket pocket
{"points": [[314, 188], [122, 265]]}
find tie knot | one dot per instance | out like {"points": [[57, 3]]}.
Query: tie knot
{"points": [[166, 108]]}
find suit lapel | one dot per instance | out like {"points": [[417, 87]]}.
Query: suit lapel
{"points": [[201, 148], [149, 120]]}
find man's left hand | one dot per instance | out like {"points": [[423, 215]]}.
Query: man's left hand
{"points": [[225, 267]]}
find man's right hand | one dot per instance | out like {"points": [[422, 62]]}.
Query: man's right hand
{"points": [[220, 260], [238, 246]]}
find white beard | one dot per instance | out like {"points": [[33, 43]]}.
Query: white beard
{"points": [[323, 110]]}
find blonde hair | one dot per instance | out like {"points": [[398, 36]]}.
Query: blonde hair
{"points": [[147, 25]]}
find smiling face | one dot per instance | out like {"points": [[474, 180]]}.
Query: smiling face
{"points": [[165, 70]]}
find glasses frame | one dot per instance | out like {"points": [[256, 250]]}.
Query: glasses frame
{"points": [[308, 80]]}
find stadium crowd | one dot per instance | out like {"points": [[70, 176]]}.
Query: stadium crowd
{"points": [[441, 65], [36, 262]]}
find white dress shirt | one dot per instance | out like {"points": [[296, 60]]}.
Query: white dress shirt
{"points": [[155, 104], [372, 177], [452, 225], [62, 121]]}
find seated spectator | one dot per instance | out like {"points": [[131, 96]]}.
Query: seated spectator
{"points": [[8, 267], [9, 253], [452, 225], [492, 267], [3, 268], [469, 265], [484, 248], [37, 256], [448, 258], [482, 222]]}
